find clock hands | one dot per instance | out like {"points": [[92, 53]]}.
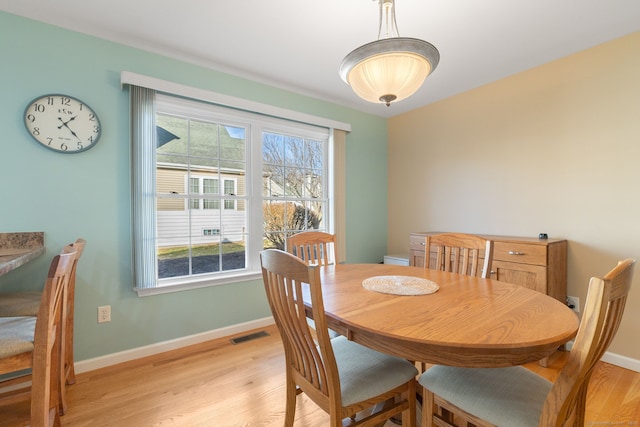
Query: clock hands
{"points": [[65, 123], [67, 126]]}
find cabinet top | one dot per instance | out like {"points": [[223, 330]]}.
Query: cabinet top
{"points": [[514, 239]]}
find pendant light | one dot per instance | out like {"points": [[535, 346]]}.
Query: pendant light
{"points": [[391, 68]]}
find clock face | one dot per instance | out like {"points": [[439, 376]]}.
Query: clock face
{"points": [[62, 123]]}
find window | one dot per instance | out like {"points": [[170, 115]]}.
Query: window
{"points": [[211, 186], [227, 184]]}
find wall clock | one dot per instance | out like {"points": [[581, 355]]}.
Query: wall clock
{"points": [[62, 123]]}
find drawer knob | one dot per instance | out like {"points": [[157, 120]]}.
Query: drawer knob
{"points": [[515, 253], [424, 243]]}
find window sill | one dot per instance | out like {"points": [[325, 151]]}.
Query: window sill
{"points": [[191, 284]]}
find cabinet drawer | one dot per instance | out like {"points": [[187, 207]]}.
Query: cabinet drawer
{"points": [[417, 243], [520, 253]]}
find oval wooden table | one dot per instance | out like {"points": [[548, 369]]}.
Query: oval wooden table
{"points": [[468, 322]]}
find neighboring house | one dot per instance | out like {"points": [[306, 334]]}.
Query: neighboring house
{"points": [[201, 182], [208, 220], [191, 169]]}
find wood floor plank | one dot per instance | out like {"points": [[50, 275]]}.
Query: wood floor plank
{"points": [[224, 385]]}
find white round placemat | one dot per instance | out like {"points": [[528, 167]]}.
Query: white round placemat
{"points": [[400, 285]]}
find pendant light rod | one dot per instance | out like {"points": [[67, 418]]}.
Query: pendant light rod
{"points": [[387, 26]]}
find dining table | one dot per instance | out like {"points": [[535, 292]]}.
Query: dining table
{"points": [[443, 318], [17, 249]]}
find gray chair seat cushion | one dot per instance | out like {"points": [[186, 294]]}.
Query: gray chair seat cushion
{"points": [[16, 335], [365, 373], [20, 304], [509, 397]]}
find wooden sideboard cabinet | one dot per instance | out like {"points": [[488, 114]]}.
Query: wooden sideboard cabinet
{"points": [[539, 264]]}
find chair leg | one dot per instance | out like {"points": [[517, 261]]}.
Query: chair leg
{"points": [[62, 394], [290, 408], [70, 371], [409, 415], [45, 391], [581, 403], [427, 408]]}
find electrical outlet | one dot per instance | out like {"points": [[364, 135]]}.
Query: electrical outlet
{"points": [[574, 303], [104, 314]]}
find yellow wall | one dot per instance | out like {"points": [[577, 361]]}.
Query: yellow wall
{"points": [[555, 149]]}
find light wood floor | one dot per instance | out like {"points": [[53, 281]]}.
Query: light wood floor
{"points": [[219, 384]]}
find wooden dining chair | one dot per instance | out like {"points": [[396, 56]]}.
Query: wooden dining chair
{"points": [[460, 253], [34, 343], [341, 377], [28, 304], [515, 396], [314, 247]]}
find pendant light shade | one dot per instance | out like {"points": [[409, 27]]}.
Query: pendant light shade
{"points": [[392, 68]]}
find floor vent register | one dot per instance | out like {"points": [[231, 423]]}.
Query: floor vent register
{"points": [[249, 337]]}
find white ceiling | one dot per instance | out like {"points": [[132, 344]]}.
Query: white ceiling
{"points": [[298, 44]]}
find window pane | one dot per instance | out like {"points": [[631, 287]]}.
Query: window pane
{"points": [[172, 134], [275, 214], [194, 188], [272, 181], [229, 187], [232, 143], [211, 186], [203, 146], [173, 254]]}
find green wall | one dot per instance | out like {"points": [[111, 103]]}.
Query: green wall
{"points": [[88, 194]]}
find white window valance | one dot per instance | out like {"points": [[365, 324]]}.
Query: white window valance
{"points": [[159, 85]]}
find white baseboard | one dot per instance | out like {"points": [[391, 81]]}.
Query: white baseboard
{"points": [[622, 361], [140, 352], [149, 350], [616, 359]]}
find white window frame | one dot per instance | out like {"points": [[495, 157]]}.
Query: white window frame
{"points": [[257, 125], [141, 209]]}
